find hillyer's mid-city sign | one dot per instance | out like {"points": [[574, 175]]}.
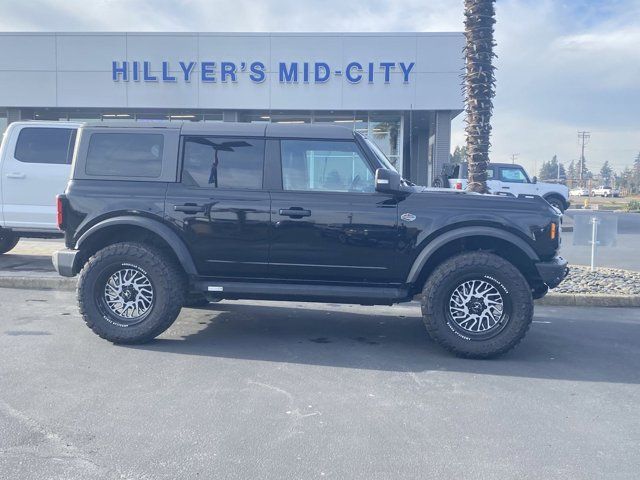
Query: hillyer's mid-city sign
{"points": [[288, 72]]}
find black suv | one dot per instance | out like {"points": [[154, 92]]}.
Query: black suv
{"points": [[157, 217]]}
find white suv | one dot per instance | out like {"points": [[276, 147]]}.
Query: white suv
{"points": [[35, 163], [509, 179]]}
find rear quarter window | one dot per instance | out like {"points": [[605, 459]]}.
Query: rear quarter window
{"points": [[125, 155], [44, 145]]}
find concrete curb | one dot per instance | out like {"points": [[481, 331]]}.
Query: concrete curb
{"points": [[35, 282], [589, 300]]}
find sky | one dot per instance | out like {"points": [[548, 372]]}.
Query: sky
{"points": [[562, 66]]}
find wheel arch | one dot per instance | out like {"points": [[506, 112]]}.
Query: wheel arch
{"points": [[133, 228], [558, 196], [472, 238]]}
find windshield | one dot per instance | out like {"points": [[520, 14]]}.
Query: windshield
{"points": [[380, 154]]}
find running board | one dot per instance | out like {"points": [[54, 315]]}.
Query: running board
{"points": [[305, 293]]}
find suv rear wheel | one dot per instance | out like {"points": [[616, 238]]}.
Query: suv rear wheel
{"points": [[8, 240], [477, 305], [130, 293]]}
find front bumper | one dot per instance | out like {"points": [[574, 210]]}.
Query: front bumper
{"points": [[64, 261], [553, 272]]}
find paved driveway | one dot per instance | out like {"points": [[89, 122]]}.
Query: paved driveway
{"points": [[280, 390]]}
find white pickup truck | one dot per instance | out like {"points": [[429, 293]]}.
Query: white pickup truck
{"points": [[507, 179], [605, 191], [35, 162]]}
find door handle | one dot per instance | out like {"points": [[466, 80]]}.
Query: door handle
{"points": [[506, 188], [19, 176], [295, 212], [189, 208]]}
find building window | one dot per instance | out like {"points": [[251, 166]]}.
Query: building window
{"points": [[386, 132]]}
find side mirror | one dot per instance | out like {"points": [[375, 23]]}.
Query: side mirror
{"points": [[387, 181], [534, 179]]}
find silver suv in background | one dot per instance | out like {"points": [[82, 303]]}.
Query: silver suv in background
{"points": [[35, 163]]}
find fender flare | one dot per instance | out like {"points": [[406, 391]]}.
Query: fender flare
{"points": [[175, 242], [462, 232]]}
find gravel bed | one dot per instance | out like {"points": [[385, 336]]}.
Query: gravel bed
{"points": [[609, 281]]}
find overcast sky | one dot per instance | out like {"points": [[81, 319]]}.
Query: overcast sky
{"points": [[563, 66]]}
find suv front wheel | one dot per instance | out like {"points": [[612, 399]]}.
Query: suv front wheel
{"points": [[477, 305], [130, 292]]}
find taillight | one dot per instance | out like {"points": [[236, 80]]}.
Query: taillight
{"points": [[459, 186], [553, 231], [60, 212]]}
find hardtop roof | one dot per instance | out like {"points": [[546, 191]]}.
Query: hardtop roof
{"points": [[269, 130]]}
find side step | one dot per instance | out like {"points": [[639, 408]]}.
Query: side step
{"points": [[303, 292]]}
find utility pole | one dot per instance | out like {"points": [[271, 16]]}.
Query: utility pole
{"points": [[584, 138], [513, 157]]}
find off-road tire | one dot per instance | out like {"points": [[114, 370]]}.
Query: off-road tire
{"points": [[497, 271], [169, 286], [8, 240]]}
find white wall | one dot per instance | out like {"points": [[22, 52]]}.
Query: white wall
{"points": [[75, 70]]}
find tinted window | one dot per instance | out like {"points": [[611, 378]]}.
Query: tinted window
{"points": [[45, 145], [125, 155], [513, 175], [214, 162], [324, 165]]}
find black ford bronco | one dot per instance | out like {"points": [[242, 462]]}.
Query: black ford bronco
{"points": [[161, 216]]}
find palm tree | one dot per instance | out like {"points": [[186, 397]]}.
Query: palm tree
{"points": [[479, 84]]}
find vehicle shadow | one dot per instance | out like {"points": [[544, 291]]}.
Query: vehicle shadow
{"points": [[560, 345]]}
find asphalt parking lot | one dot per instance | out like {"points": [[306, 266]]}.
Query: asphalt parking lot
{"points": [[285, 390]]}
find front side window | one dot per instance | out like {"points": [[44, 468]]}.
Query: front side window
{"points": [[513, 175], [324, 165], [125, 155], [214, 162], [45, 145]]}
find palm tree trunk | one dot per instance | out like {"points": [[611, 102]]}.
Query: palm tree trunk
{"points": [[479, 84]]}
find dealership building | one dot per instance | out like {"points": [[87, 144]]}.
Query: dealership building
{"points": [[400, 89]]}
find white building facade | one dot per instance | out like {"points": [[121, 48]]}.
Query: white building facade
{"points": [[400, 89]]}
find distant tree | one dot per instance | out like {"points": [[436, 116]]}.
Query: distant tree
{"points": [[459, 155], [552, 169], [628, 180], [606, 173], [586, 173], [571, 171], [546, 171], [636, 172]]}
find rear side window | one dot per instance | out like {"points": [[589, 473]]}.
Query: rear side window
{"points": [[215, 162], [45, 145], [125, 155]]}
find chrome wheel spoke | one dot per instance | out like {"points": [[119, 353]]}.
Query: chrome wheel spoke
{"points": [[129, 293], [476, 306]]}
